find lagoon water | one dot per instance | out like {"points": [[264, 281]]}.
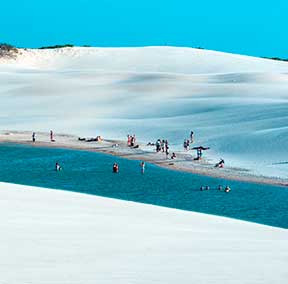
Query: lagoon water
{"points": [[91, 173]]}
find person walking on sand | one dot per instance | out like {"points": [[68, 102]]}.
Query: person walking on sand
{"points": [[142, 165], [33, 137]]}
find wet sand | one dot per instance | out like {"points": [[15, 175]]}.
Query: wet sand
{"points": [[184, 161]]}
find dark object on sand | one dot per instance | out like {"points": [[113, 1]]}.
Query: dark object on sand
{"points": [[81, 139], [136, 146]]}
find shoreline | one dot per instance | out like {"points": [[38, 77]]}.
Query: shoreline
{"points": [[184, 161]]}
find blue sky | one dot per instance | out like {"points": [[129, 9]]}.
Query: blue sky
{"points": [[247, 27]]}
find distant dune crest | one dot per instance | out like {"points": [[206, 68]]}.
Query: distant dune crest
{"points": [[143, 59]]}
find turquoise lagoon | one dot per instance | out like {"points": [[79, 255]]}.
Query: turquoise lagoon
{"points": [[91, 173]]}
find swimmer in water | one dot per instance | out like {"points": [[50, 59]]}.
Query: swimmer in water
{"points": [[142, 165], [227, 189], [115, 168], [58, 167]]}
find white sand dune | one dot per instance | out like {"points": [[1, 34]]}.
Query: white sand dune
{"points": [[236, 104], [50, 236]]}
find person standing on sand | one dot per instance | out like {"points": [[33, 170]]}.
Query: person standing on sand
{"points": [[33, 137], [192, 137], [52, 136], [187, 144], [158, 145], [163, 145], [167, 152], [128, 140]]}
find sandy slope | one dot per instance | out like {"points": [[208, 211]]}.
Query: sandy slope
{"points": [[236, 104], [50, 236]]}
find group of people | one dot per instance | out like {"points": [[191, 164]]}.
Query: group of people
{"points": [[115, 168], [51, 136], [220, 188], [131, 140], [162, 146], [186, 144]]}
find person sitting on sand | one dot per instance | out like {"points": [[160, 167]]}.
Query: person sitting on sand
{"points": [[57, 167], [115, 168], [220, 164], [99, 138], [173, 156], [227, 189]]}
